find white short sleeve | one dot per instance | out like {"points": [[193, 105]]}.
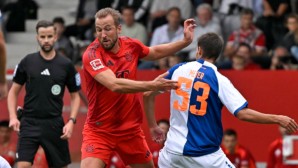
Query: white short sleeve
{"points": [[230, 96]]}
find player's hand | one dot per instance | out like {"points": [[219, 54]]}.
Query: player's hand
{"points": [[3, 90], [189, 26], [288, 123], [162, 84], [67, 130], [157, 134], [15, 124]]}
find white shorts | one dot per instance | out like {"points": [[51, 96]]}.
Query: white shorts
{"points": [[4, 163], [214, 160]]}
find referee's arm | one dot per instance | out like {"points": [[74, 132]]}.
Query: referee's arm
{"points": [[12, 106], [75, 104]]}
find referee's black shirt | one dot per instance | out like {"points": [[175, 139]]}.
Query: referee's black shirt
{"points": [[45, 83]]}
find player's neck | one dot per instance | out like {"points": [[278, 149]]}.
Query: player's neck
{"points": [[116, 47], [208, 60], [48, 55]]}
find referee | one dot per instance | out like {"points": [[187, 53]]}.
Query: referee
{"points": [[45, 73]]}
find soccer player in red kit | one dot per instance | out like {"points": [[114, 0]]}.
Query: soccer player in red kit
{"points": [[114, 119], [237, 154], [275, 158]]}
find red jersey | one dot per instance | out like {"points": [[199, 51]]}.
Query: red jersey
{"points": [[253, 37], [241, 157], [275, 159], [110, 111], [8, 152]]}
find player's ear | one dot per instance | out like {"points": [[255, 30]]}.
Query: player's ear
{"points": [[119, 28], [199, 52]]}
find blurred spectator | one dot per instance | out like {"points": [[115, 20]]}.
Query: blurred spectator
{"points": [[84, 19], [290, 41], [237, 154], [275, 155], [159, 8], [141, 8], [18, 12], [248, 34], [3, 83], [272, 20], [166, 63], [131, 28], [281, 59], [206, 23], [63, 44], [7, 147], [241, 60], [170, 32], [40, 160], [155, 148]]}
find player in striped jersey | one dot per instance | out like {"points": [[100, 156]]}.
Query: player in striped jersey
{"points": [[196, 129]]}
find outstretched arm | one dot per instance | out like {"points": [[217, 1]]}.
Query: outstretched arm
{"points": [[122, 85], [250, 115], [164, 50]]}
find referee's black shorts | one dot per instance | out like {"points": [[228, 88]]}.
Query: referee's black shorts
{"points": [[44, 132]]}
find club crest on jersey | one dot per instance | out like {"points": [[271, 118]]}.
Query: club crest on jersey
{"points": [[128, 56], [56, 90], [96, 64]]}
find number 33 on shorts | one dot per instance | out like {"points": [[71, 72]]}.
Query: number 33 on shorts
{"points": [[185, 94]]}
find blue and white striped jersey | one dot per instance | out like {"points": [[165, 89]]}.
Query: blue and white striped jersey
{"points": [[196, 127]]}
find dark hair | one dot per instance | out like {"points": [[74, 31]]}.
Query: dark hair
{"points": [[165, 121], [4, 123], [59, 20], [109, 11], [128, 8], [247, 11], [174, 9], [44, 24], [292, 15], [230, 132], [245, 45], [211, 44]]}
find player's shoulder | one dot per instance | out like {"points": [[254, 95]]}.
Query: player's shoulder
{"points": [[93, 46], [128, 40]]}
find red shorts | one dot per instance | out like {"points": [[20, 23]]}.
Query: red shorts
{"points": [[133, 148]]}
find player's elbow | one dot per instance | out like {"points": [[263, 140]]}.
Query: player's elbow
{"points": [[116, 88], [242, 115]]}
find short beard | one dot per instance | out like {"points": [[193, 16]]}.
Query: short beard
{"points": [[47, 50], [111, 46]]}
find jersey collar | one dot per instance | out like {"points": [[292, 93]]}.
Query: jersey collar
{"points": [[206, 63]]}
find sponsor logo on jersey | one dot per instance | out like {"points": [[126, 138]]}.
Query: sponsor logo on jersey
{"points": [[45, 72], [56, 89], [122, 74], [96, 64], [78, 79]]}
